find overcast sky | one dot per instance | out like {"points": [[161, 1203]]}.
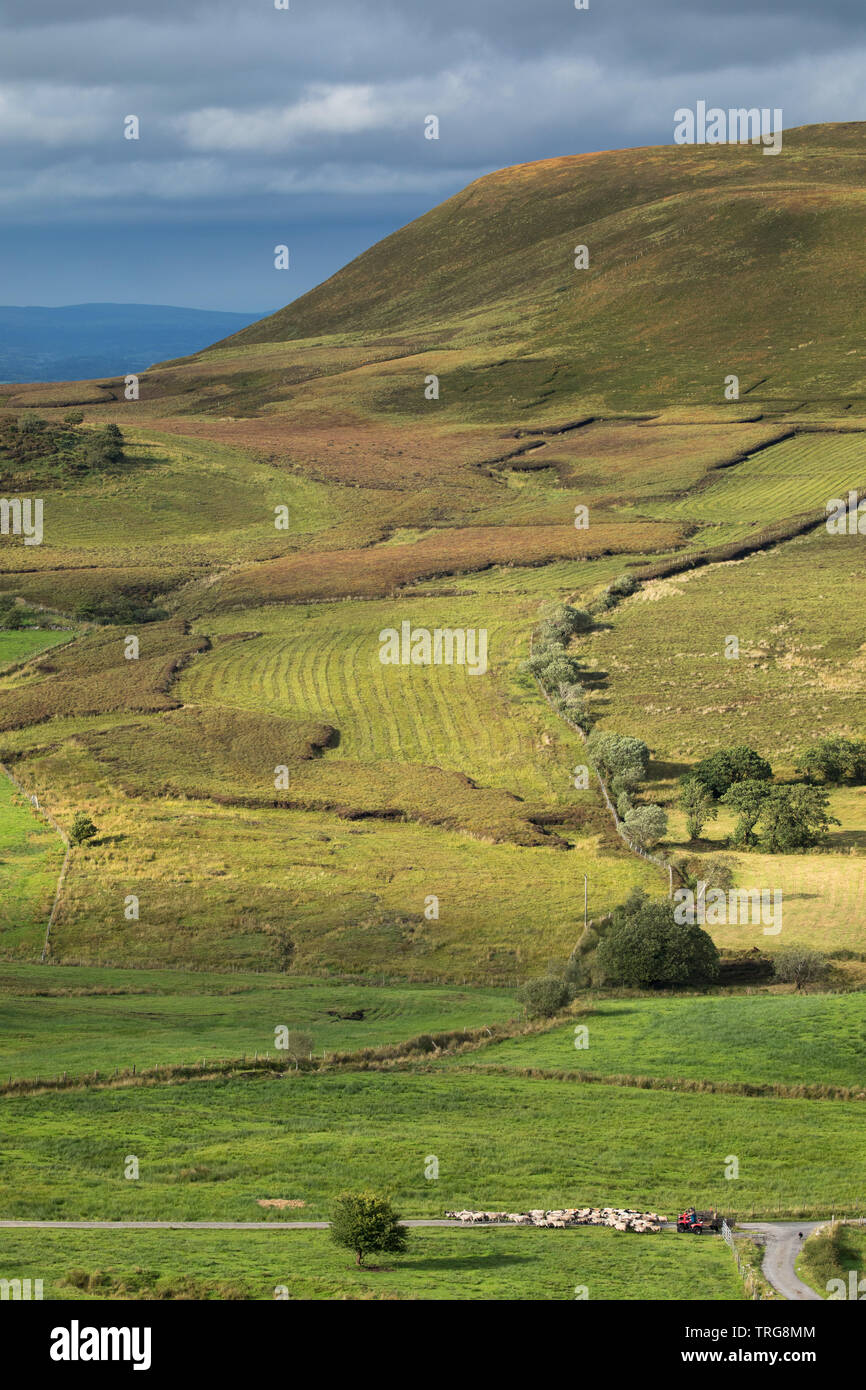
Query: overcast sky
{"points": [[305, 126]]}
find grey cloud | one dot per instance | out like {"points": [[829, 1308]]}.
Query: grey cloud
{"points": [[236, 98]]}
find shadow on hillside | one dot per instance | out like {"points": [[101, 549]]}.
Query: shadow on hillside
{"points": [[845, 839], [614, 1010], [659, 771]]}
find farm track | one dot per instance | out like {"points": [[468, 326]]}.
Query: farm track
{"points": [[784, 1241]]}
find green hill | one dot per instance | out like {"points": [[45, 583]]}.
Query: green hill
{"points": [[703, 261]]}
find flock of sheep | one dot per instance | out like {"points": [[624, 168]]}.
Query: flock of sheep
{"points": [[620, 1218]]}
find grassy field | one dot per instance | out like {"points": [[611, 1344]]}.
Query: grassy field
{"points": [[407, 785], [220, 887], [834, 1253], [212, 1149], [439, 1264], [111, 1019], [191, 823], [799, 673], [31, 855], [20, 645], [788, 1038]]}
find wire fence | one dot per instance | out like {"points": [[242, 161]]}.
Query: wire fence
{"points": [[754, 1286]]}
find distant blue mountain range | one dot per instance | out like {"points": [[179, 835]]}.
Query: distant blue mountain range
{"points": [[79, 341]]}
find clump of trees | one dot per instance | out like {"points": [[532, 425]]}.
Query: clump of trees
{"points": [[790, 817], [645, 947], [721, 770], [780, 817], [14, 616], [119, 609], [834, 760], [368, 1224], [544, 997], [794, 818]]}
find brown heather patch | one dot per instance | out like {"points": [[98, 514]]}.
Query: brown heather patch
{"points": [[343, 446], [379, 571], [92, 675]]}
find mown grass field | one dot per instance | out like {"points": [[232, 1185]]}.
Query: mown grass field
{"points": [[792, 1039], [107, 1019], [30, 858], [800, 474], [212, 1149], [321, 661], [438, 1264]]}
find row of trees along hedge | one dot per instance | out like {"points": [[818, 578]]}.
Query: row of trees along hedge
{"points": [[623, 762], [551, 663]]}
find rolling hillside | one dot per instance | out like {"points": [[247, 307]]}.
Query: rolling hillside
{"points": [[291, 832], [559, 389], [694, 252]]}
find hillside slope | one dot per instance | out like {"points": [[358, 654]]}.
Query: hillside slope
{"points": [[704, 260]]}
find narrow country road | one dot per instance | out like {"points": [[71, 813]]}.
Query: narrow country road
{"points": [[784, 1242]]}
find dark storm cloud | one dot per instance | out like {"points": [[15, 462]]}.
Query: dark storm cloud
{"points": [[238, 100]]}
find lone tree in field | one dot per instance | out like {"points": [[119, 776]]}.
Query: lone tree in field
{"points": [[699, 804], [646, 947], [367, 1224], [799, 965], [83, 829]]}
